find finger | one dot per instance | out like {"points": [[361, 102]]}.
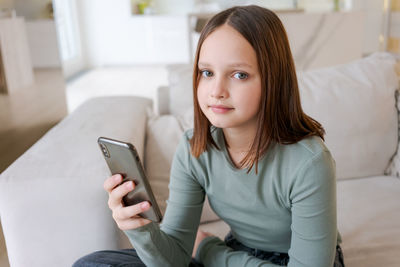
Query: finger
{"points": [[116, 195], [202, 234], [131, 211], [208, 234], [132, 223], [111, 182]]}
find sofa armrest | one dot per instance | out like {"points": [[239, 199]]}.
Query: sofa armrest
{"points": [[163, 100], [53, 207]]}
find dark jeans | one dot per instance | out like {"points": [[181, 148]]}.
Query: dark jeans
{"points": [[275, 257], [129, 257]]}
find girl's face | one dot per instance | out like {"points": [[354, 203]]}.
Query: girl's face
{"points": [[229, 89]]}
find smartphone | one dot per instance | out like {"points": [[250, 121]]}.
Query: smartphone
{"points": [[122, 158]]}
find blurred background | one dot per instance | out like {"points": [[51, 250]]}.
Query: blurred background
{"points": [[54, 55]]}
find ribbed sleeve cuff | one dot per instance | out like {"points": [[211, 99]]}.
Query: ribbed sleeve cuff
{"points": [[148, 229]]}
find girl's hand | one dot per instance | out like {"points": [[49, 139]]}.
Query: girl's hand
{"points": [[126, 217], [199, 237]]}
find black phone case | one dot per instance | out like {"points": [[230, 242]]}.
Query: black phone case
{"points": [[122, 158]]}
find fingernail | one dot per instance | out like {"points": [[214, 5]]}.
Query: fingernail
{"points": [[117, 177], [144, 205], [129, 185]]}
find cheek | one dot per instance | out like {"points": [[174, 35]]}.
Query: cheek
{"points": [[201, 96], [250, 106], [250, 98]]}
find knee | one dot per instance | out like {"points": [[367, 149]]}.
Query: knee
{"points": [[98, 258], [110, 258]]}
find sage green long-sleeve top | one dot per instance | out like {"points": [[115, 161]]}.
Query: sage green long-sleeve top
{"points": [[289, 206]]}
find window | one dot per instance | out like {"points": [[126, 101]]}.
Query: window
{"points": [[66, 29]]}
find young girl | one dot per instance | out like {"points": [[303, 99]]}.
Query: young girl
{"points": [[260, 160]]}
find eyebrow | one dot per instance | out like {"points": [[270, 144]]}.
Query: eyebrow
{"points": [[239, 64]]}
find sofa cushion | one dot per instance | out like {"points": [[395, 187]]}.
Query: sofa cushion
{"points": [[354, 102], [369, 220], [356, 105], [162, 138], [181, 89]]}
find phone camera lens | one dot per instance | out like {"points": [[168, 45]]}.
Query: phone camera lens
{"points": [[105, 151]]}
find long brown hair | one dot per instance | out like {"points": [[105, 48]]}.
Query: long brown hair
{"points": [[281, 118]]}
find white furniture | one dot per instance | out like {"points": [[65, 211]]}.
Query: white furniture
{"points": [[15, 62], [54, 210], [42, 41]]}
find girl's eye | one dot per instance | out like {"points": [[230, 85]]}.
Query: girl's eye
{"points": [[240, 75], [206, 73]]}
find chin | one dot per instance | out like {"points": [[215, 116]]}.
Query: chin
{"points": [[220, 121], [221, 124]]}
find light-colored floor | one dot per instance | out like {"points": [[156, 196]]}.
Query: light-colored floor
{"points": [[140, 81], [25, 116], [3, 251], [29, 112]]}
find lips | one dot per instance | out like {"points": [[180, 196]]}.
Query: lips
{"points": [[220, 108]]}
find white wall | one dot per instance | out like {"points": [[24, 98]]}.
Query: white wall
{"points": [[174, 7], [111, 35], [73, 31], [182, 7]]}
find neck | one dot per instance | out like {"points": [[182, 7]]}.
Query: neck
{"points": [[239, 140]]}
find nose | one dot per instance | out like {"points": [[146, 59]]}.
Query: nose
{"points": [[218, 89]]}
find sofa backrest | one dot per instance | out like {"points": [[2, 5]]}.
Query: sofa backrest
{"points": [[354, 102]]}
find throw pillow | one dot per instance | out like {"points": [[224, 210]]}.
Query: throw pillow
{"points": [[393, 168], [355, 104], [181, 89], [162, 138]]}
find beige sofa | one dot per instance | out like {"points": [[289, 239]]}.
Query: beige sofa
{"points": [[53, 208]]}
